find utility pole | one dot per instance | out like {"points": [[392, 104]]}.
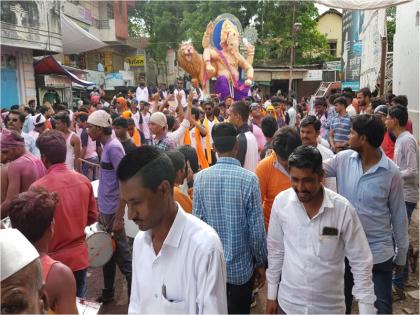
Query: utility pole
{"points": [[383, 62], [292, 50], [295, 29]]}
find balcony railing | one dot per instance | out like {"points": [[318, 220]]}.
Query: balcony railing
{"points": [[102, 24]]}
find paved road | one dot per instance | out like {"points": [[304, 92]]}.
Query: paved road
{"points": [[119, 306]]}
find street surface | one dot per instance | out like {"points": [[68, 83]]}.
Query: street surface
{"points": [[408, 306]]}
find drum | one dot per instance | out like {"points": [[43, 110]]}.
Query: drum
{"points": [[95, 186], [100, 245], [130, 227]]}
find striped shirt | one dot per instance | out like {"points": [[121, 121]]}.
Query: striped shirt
{"points": [[340, 126], [227, 197]]}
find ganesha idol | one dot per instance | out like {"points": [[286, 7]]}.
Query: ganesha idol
{"points": [[221, 59]]}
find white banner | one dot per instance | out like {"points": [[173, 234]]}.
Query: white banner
{"points": [[361, 4], [374, 28]]}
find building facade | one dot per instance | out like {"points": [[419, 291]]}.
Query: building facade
{"points": [[106, 21], [28, 29], [406, 65], [330, 24]]}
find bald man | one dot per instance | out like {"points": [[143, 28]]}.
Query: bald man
{"points": [[22, 287], [22, 168]]}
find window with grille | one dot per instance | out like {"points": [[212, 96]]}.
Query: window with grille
{"points": [[333, 48]]}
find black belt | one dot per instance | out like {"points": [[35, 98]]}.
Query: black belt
{"points": [[107, 166]]}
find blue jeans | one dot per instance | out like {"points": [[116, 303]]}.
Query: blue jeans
{"points": [[81, 282], [401, 278], [382, 282]]}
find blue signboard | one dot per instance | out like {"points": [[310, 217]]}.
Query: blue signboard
{"points": [[352, 48]]}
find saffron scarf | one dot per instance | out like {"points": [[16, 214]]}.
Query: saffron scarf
{"points": [[136, 137], [208, 145], [198, 147], [200, 152]]}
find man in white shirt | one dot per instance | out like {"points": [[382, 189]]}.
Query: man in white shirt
{"points": [[292, 114], [310, 128], [311, 230], [247, 143], [179, 90], [144, 127], [142, 92], [350, 108], [178, 262]]}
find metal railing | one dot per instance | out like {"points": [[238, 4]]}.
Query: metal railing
{"points": [[102, 24]]}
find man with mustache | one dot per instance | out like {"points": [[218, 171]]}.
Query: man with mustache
{"points": [[178, 264], [311, 230]]}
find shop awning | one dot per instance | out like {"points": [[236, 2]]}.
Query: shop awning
{"points": [[48, 65], [75, 39]]}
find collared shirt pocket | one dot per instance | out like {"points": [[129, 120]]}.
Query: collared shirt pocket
{"points": [[328, 247], [174, 307]]}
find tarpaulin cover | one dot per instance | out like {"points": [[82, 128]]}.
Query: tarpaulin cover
{"points": [[48, 65], [360, 4], [75, 39]]}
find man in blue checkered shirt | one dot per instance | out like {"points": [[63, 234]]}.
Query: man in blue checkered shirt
{"points": [[227, 197]]}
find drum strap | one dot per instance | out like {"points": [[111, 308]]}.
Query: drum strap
{"points": [[107, 166]]}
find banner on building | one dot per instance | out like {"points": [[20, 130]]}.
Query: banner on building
{"points": [[374, 28], [313, 75], [57, 81], [352, 48], [135, 61]]}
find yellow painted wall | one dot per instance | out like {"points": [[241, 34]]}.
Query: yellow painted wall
{"points": [[331, 26]]}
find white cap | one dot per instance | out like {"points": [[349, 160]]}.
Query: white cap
{"points": [[100, 118], [16, 252], [38, 119], [159, 119]]}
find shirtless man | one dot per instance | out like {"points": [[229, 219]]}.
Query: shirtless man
{"points": [[22, 170], [72, 141], [32, 213]]}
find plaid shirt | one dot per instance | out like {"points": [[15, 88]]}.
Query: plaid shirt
{"points": [[227, 197], [165, 144]]}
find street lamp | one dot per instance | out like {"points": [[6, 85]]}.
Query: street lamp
{"points": [[295, 29]]}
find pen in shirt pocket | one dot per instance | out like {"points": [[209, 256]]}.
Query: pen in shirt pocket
{"points": [[164, 293]]}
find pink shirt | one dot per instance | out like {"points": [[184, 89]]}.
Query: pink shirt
{"points": [[261, 141], [91, 145]]}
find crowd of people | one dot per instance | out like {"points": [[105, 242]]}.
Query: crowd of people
{"points": [[312, 200]]}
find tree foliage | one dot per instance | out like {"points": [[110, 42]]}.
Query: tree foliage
{"points": [[167, 23], [390, 26]]}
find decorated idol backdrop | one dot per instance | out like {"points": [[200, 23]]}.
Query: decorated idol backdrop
{"points": [[221, 58]]}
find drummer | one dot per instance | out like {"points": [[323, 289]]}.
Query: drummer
{"points": [[111, 207], [32, 213], [76, 209]]}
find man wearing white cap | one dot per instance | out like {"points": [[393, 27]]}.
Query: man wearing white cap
{"points": [[111, 207], [39, 126], [22, 288], [158, 126]]}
